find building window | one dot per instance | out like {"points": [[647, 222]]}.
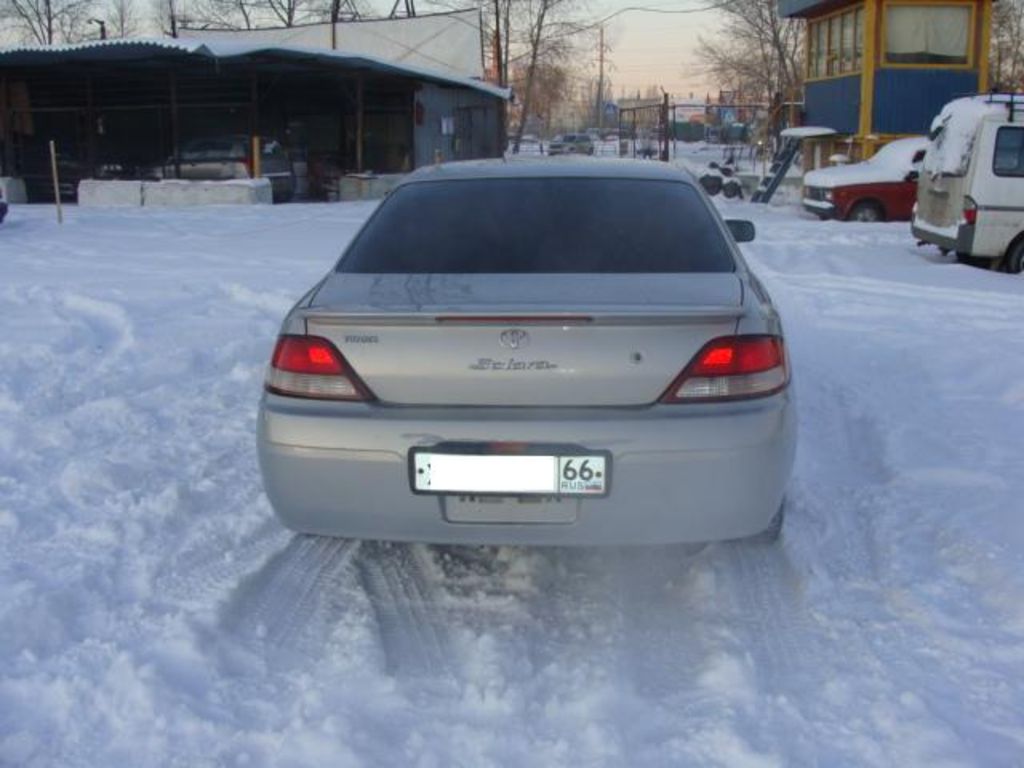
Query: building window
{"points": [[836, 44], [937, 34]]}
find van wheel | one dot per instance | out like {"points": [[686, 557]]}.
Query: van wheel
{"points": [[866, 211], [1015, 258]]}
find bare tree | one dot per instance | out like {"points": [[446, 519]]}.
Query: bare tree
{"points": [[47, 21], [221, 14], [1008, 45], [754, 50], [165, 15], [548, 28], [123, 18]]}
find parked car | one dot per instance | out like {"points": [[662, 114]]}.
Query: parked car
{"points": [[530, 145], [568, 380], [571, 144], [882, 188], [230, 157], [970, 197]]}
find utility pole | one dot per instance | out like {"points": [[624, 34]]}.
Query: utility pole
{"points": [[600, 80]]}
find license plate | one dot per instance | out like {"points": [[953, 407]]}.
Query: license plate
{"points": [[575, 474]]}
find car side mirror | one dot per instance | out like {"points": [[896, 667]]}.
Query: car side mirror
{"points": [[912, 176], [742, 230]]}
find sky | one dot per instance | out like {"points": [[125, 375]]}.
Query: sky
{"points": [[656, 48]]}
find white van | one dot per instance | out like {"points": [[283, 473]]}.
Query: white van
{"points": [[970, 194]]}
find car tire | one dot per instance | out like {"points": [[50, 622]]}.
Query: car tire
{"points": [[1015, 258], [712, 184], [866, 211], [732, 189]]}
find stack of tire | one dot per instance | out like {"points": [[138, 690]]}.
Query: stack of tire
{"points": [[721, 179]]}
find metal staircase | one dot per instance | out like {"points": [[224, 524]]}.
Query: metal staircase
{"points": [[781, 163]]}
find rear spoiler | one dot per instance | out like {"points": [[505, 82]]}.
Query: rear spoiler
{"points": [[646, 316]]}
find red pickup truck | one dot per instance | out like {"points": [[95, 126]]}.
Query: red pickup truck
{"points": [[883, 188]]}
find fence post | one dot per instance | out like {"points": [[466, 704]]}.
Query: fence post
{"points": [[56, 180]]}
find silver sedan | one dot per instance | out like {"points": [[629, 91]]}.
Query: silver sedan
{"points": [[534, 353]]}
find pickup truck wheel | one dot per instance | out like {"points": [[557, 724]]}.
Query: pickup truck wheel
{"points": [[866, 211], [1015, 258]]}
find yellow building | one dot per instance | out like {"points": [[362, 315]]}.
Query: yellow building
{"points": [[876, 70]]}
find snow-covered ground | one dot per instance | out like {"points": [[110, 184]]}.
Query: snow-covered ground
{"points": [[152, 613]]}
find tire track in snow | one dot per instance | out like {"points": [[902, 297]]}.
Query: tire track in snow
{"points": [[668, 631], [204, 573], [294, 600], [410, 614]]}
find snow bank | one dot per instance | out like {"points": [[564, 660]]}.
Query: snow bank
{"points": [[178, 193], [889, 165], [109, 194], [954, 129]]}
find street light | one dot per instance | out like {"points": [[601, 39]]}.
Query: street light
{"points": [[103, 27]]}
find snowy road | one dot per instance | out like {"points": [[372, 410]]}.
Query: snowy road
{"points": [[152, 613]]}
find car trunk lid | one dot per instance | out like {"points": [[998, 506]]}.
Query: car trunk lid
{"points": [[523, 340]]}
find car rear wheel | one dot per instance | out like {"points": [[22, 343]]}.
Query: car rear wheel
{"points": [[866, 211]]}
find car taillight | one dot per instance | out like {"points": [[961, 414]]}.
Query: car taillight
{"points": [[311, 366], [970, 211], [732, 368]]}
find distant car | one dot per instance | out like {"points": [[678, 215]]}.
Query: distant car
{"points": [[230, 157], [883, 188], [569, 380], [571, 144]]}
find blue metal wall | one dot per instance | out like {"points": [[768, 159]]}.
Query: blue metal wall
{"points": [[833, 103], [475, 116], [906, 100]]}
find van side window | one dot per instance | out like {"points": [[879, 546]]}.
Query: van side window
{"points": [[1009, 155]]}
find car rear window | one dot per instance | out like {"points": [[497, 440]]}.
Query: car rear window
{"points": [[546, 225]]}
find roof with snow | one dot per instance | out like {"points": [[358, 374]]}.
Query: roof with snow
{"points": [[159, 50]]}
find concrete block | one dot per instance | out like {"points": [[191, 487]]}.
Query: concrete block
{"points": [[179, 193], [13, 190], [94, 193]]}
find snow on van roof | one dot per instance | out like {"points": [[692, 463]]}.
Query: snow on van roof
{"points": [[953, 131]]}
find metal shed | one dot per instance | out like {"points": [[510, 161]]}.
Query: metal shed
{"points": [[125, 108]]}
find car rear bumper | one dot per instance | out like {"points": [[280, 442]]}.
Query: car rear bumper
{"points": [[959, 239], [679, 473]]}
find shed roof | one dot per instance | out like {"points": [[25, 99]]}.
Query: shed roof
{"points": [[162, 49], [804, 8]]}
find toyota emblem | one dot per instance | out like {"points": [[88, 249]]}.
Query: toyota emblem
{"points": [[514, 338]]}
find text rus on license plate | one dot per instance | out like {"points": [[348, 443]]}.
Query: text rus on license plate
{"points": [[459, 473]]}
